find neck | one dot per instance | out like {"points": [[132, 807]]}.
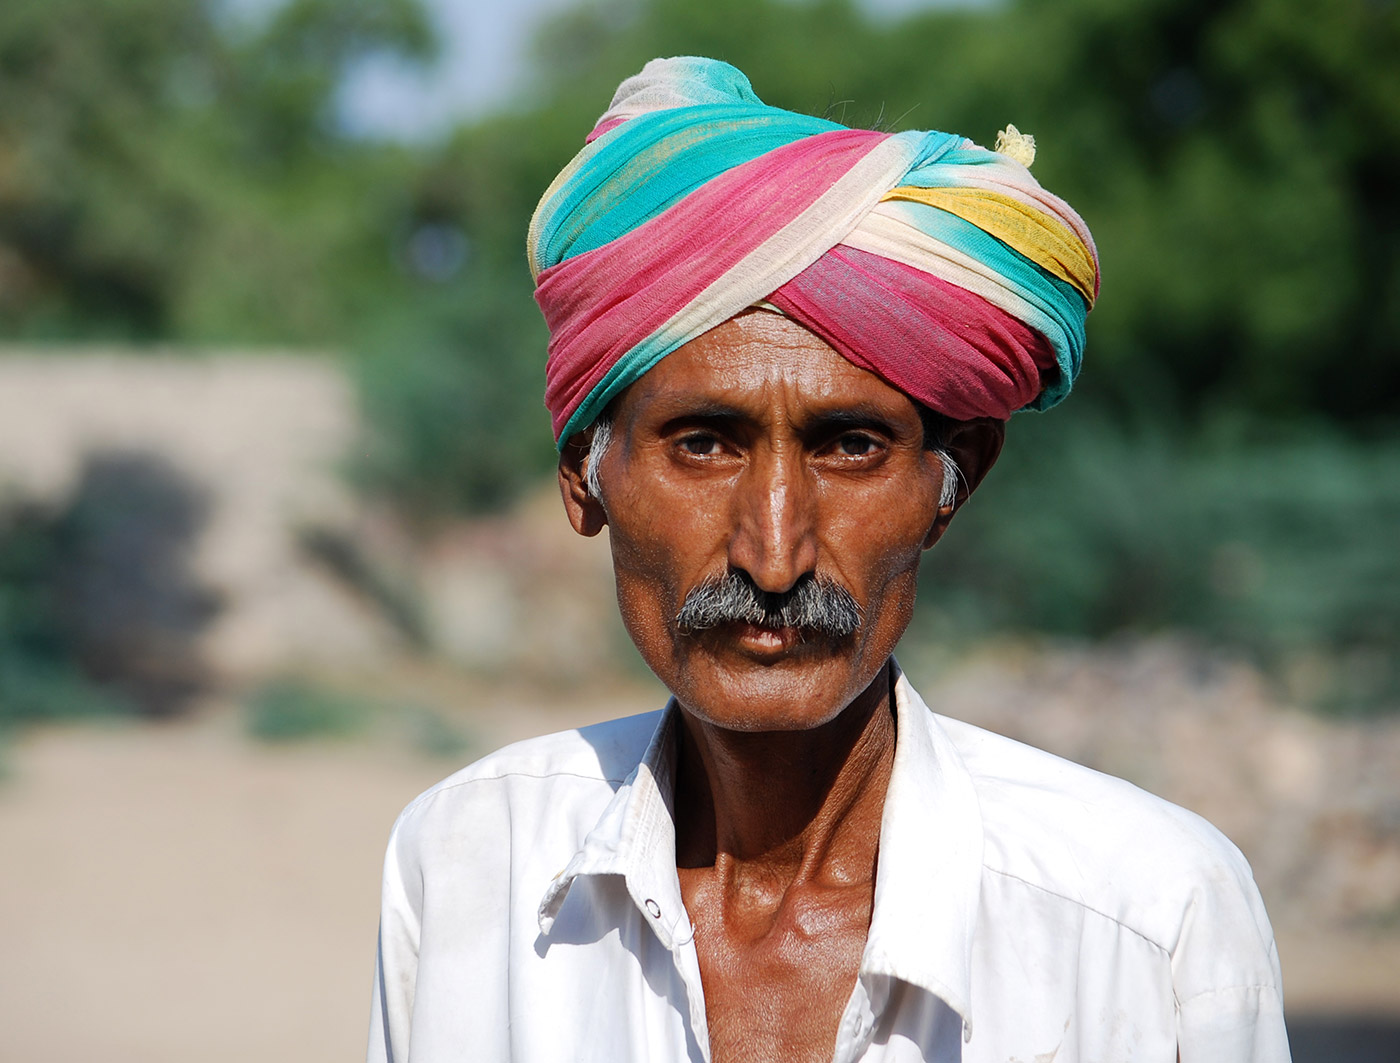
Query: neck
{"points": [[788, 805]]}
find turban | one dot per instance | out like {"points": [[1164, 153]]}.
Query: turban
{"points": [[940, 266]]}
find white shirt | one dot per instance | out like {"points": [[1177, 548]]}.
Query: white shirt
{"points": [[1026, 909]]}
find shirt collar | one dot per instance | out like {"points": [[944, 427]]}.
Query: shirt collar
{"points": [[927, 884], [635, 838]]}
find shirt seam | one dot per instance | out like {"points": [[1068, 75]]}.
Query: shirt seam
{"points": [[1087, 907], [444, 787], [1183, 1001]]}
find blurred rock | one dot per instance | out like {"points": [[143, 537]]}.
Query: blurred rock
{"points": [[126, 604], [261, 437], [309, 575]]}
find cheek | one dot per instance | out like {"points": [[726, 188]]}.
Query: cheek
{"points": [[876, 553], [646, 583], [878, 544], [659, 552], [892, 589], [647, 623], [652, 540]]}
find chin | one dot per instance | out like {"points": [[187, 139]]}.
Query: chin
{"points": [[795, 694]]}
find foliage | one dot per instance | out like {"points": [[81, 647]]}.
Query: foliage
{"points": [[162, 178], [291, 711], [431, 733], [459, 421], [167, 176]]}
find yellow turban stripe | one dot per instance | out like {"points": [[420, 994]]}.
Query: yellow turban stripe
{"points": [[1035, 234]]}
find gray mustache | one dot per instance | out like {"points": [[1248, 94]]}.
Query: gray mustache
{"points": [[814, 603]]}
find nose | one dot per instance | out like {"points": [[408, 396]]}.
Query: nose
{"points": [[774, 522]]}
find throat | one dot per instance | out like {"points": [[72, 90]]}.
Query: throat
{"points": [[777, 841]]}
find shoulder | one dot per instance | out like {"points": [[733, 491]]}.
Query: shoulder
{"points": [[579, 769], [1106, 845]]}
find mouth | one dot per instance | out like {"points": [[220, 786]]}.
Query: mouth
{"points": [[764, 644], [761, 641]]}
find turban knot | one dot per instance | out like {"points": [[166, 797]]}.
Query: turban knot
{"points": [[940, 266]]}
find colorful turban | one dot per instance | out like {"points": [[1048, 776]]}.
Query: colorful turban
{"points": [[940, 266]]}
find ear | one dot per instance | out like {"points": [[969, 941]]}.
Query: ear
{"points": [[975, 446], [586, 513]]}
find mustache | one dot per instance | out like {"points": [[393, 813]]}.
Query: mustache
{"points": [[814, 603]]}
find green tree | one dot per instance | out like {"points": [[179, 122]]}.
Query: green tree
{"points": [[164, 176]]}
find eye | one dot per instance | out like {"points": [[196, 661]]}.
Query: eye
{"points": [[856, 445], [700, 444]]}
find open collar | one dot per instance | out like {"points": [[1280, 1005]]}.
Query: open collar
{"points": [[927, 883], [928, 880]]}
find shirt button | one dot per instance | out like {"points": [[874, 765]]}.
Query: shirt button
{"points": [[653, 908]]}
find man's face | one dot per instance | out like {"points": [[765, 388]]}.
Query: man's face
{"points": [[758, 449]]}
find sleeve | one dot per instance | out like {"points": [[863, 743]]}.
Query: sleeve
{"points": [[396, 962], [1225, 971]]}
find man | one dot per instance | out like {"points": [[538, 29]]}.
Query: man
{"points": [[782, 353]]}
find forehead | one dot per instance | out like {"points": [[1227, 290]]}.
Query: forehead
{"points": [[761, 364]]}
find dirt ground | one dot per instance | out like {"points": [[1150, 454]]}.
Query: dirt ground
{"points": [[180, 892]]}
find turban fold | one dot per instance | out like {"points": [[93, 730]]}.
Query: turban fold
{"points": [[940, 266]]}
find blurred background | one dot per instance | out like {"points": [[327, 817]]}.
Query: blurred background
{"points": [[279, 545]]}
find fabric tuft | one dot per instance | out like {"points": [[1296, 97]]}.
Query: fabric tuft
{"points": [[1014, 144]]}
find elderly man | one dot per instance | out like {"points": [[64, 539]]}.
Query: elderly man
{"points": [[782, 353]]}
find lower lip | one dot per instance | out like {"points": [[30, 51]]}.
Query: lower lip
{"points": [[767, 640]]}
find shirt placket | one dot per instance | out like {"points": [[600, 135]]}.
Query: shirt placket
{"points": [[656, 891], [688, 966], [857, 1027]]}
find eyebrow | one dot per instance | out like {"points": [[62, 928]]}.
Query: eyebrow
{"points": [[858, 417], [706, 410], [841, 418]]}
